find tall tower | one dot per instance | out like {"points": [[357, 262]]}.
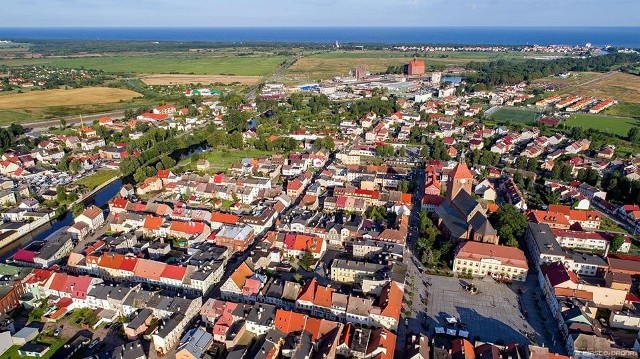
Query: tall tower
{"points": [[460, 178]]}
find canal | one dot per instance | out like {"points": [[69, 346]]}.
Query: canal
{"points": [[100, 199]]}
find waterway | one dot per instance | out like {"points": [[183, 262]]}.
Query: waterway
{"points": [[100, 199]]}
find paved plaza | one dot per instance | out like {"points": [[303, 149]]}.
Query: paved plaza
{"points": [[493, 314]]}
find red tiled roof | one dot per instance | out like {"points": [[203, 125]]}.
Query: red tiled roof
{"points": [[308, 292], [24, 256], [174, 272], [111, 260], [128, 263], [506, 255], [153, 223], [225, 218], [391, 300], [461, 171], [187, 227], [558, 274], [288, 322]]}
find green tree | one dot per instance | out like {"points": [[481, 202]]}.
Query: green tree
{"points": [[61, 194], [617, 242], [521, 163], [509, 222], [236, 120], [307, 261], [75, 166], [634, 135], [63, 123]]}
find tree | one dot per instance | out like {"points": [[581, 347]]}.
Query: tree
{"points": [[235, 140], [617, 242], [521, 162], [634, 135], [167, 162], [307, 261], [512, 242], [75, 166], [61, 194], [236, 120], [63, 123], [509, 222]]}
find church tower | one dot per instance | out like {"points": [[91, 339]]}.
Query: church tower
{"points": [[460, 178]]}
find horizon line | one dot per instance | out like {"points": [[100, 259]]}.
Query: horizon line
{"points": [[311, 26]]}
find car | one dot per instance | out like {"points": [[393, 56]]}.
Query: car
{"points": [[94, 343], [57, 331]]}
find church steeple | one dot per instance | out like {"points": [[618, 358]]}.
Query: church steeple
{"points": [[460, 178]]}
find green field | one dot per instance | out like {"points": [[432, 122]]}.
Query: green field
{"points": [[163, 63], [518, 115], [625, 109], [605, 123], [221, 160], [96, 179]]}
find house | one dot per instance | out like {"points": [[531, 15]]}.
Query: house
{"points": [[92, 216], [194, 344], [236, 237], [500, 262]]}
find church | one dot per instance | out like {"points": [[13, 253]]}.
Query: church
{"points": [[461, 217]]}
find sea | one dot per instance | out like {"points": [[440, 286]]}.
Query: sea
{"points": [[598, 36]]}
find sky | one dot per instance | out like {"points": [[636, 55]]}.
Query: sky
{"points": [[180, 13]]}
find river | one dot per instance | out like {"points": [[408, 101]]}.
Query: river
{"points": [[100, 199]]}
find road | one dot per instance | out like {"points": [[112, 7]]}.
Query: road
{"points": [[71, 120], [232, 265], [275, 76]]}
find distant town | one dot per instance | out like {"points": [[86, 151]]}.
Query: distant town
{"points": [[404, 213]]}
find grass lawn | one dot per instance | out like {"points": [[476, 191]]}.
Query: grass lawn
{"points": [[164, 63], [221, 160], [605, 123], [520, 115], [55, 343], [625, 109], [97, 178], [608, 225]]}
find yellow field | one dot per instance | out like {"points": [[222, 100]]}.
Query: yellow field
{"points": [[615, 85], [49, 98], [322, 68], [175, 79]]}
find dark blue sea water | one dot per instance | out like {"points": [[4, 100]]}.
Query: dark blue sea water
{"points": [[598, 36]]}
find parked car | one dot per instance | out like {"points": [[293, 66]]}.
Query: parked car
{"points": [[57, 331]]}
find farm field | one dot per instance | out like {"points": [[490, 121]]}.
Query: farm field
{"points": [[618, 86], [611, 124], [176, 79], [518, 115], [330, 64], [615, 85], [163, 63], [82, 96]]}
